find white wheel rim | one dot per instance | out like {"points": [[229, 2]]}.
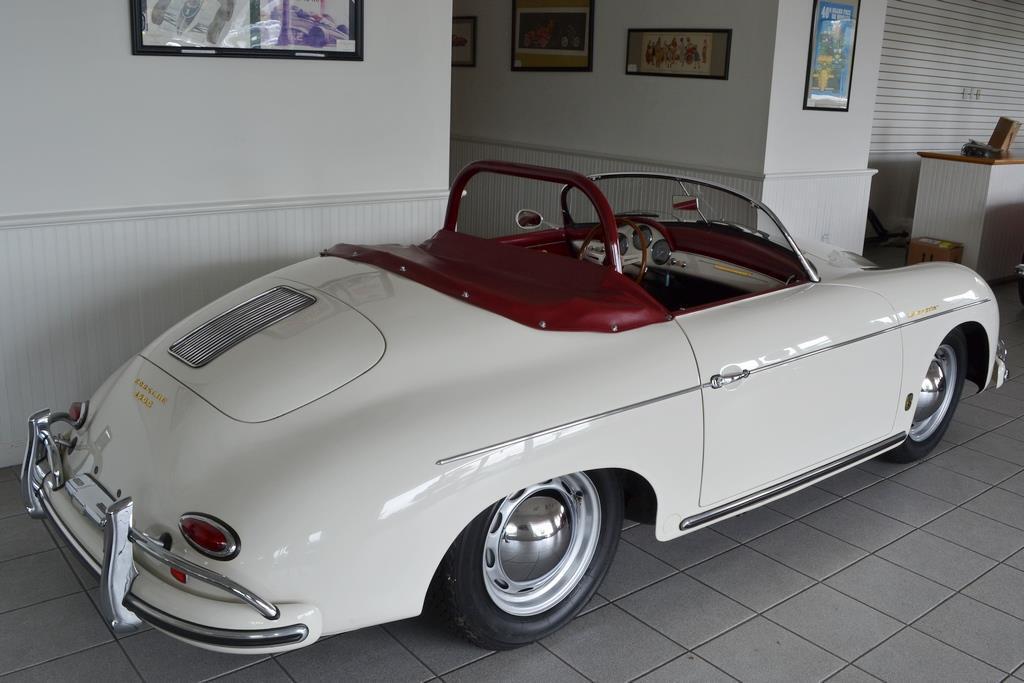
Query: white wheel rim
{"points": [[540, 543]]}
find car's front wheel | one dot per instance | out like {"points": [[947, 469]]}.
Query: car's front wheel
{"points": [[527, 565], [936, 400]]}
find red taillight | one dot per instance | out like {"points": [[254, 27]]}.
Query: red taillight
{"points": [[179, 575], [75, 411], [209, 535]]}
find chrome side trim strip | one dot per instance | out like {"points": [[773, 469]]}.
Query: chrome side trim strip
{"points": [[754, 499], [567, 425], [848, 342]]}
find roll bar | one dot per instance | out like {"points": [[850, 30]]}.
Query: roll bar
{"points": [[605, 214]]}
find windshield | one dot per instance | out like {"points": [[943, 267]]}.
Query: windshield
{"points": [[671, 200]]}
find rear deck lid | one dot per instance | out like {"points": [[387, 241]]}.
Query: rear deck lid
{"points": [[268, 348]]}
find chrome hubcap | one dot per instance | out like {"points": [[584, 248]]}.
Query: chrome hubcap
{"points": [[934, 399], [540, 543]]}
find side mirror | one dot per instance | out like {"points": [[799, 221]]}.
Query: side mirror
{"points": [[528, 219]]}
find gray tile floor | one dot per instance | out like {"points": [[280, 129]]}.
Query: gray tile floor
{"points": [[884, 572]]}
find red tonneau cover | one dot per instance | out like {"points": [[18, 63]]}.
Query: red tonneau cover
{"points": [[531, 287]]}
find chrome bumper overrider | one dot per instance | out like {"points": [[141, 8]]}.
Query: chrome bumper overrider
{"points": [[116, 571], [1000, 370]]}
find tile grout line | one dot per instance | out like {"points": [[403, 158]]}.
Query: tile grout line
{"points": [[562, 660], [816, 582], [5, 674], [229, 672], [402, 645], [982, 602]]}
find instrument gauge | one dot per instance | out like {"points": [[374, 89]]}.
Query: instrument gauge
{"points": [[648, 237], [661, 252], [623, 244]]}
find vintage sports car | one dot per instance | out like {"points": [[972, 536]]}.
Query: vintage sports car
{"points": [[472, 418]]}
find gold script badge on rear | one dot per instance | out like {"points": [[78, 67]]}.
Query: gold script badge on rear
{"points": [[147, 395]]}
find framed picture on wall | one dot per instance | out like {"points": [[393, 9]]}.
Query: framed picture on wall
{"points": [[830, 57], [303, 29], [552, 35], [679, 52], [464, 41]]}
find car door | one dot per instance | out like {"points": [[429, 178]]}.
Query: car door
{"points": [[792, 379]]}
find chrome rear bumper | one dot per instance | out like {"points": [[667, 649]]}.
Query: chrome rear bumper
{"points": [[116, 571]]}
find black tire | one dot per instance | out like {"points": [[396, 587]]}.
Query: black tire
{"points": [[914, 449], [461, 597]]}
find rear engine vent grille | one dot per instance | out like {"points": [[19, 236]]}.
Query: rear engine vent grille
{"points": [[209, 340]]}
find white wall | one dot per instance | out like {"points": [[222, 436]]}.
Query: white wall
{"points": [[802, 140], [87, 125], [749, 131], [932, 51], [686, 122], [122, 211]]}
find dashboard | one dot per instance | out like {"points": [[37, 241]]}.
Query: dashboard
{"points": [[662, 258]]}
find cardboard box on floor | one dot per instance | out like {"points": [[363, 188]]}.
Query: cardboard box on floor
{"points": [[930, 249]]}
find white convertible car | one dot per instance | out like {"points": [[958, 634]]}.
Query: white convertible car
{"points": [[471, 419]]}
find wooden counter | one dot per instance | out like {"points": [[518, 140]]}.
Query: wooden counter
{"points": [[1002, 161], [977, 202]]}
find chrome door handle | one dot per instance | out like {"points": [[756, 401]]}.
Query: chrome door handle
{"points": [[719, 381]]}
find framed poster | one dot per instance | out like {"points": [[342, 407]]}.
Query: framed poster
{"points": [[552, 35], [307, 29], [464, 41], [830, 57], [679, 52]]}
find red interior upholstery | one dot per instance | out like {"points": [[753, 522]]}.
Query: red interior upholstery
{"points": [[747, 251], [525, 285], [552, 241]]}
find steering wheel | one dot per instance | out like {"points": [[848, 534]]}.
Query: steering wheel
{"points": [[620, 220]]}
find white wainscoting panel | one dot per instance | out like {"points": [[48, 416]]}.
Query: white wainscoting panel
{"points": [[829, 206], [81, 293]]}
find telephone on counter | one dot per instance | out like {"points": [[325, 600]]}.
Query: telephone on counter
{"points": [[981, 149], [998, 145]]}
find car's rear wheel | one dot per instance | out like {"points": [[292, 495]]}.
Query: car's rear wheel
{"points": [[936, 400], [528, 564]]}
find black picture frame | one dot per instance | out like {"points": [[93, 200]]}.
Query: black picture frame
{"points": [[471, 21], [554, 62], [718, 66], [842, 103], [141, 18]]}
